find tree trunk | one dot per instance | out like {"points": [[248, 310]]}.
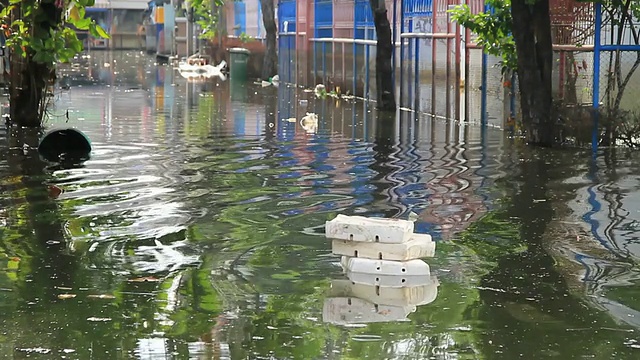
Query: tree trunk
{"points": [[532, 35], [270, 67], [27, 90], [384, 54], [29, 79]]}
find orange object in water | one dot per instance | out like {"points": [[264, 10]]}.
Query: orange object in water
{"points": [[54, 191]]}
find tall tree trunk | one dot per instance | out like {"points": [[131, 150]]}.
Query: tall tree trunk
{"points": [[270, 67], [532, 35], [384, 53], [29, 79]]}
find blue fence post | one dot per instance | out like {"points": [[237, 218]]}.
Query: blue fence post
{"points": [[483, 93], [401, 49], [596, 76], [483, 90], [366, 70], [417, 75], [355, 53], [324, 62], [411, 54], [315, 61], [292, 61]]}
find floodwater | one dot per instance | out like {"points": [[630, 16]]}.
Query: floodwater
{"points": [[195, 231]]}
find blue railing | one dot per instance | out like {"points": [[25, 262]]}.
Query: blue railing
{"points": [[417, 7]]}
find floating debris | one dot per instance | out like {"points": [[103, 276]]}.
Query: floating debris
{"points": [[98, 319], [310, 123], [66, 296], [145, 279], [101, 296]]}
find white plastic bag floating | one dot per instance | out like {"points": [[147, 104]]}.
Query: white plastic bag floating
{"points": [[275, 80], [310, 123], [320, 90]]}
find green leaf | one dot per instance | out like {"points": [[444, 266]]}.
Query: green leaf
{"points": [[82, 24], [6, 11], [98, 31], [67, 55], [76, 45]]}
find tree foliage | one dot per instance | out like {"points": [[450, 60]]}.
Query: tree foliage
{"points": [[207, 14], [58, 40], [492, 29]]}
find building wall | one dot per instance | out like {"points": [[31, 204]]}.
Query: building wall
{"points": [[245, 17]]}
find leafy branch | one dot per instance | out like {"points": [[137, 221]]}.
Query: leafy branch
{"points": [[45, 30], [205, 15], [492, 30]]}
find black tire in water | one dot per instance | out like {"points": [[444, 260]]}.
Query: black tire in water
{"points": [[64, 145]]}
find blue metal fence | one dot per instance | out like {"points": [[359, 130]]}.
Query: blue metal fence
{"points": [[341, 54], [286, 40], [417, 7]]}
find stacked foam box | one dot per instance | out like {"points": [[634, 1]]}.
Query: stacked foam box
{"points": [[386, 280]]}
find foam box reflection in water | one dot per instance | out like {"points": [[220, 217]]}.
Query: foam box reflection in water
{"points": [[378, 291], [352, 310]]}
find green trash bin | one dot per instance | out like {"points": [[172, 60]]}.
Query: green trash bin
{"points": [[239, 58]]}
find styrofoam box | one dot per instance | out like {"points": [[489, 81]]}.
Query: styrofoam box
{"points": [[351, 310], [376, 230], [381, 295], [385, 267], [420, 246], [391, 280]]}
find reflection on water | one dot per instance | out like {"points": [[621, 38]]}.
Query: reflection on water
{"points": [[196, 229], [365, 297]]}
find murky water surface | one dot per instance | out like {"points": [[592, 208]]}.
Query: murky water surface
{"points": [[196, 230]]}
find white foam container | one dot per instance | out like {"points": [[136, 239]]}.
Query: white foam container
{"points": [[420, 246], [391, 280], [385, 267], [363, 229]]}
